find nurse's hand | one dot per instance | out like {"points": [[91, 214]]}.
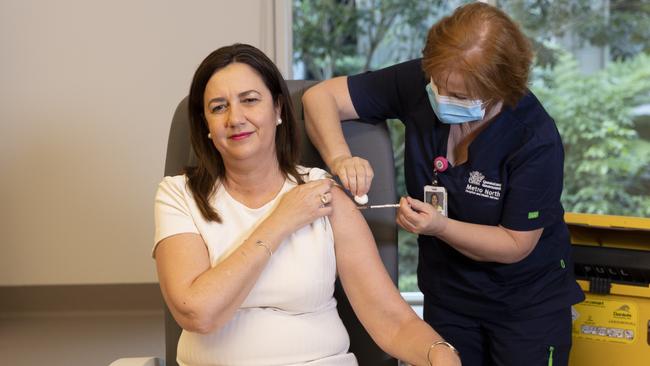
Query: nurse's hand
{"points": [[355, 173], [420, 217]]}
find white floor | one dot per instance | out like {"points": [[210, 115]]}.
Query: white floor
{"points": [[79, 339]]}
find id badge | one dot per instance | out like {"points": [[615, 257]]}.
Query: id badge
{"points": [[436, 196]]}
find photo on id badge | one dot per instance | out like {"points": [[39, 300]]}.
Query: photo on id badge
{"points": [[436, 196]]}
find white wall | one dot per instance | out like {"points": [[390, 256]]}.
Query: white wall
{"points": [[87, 91]]}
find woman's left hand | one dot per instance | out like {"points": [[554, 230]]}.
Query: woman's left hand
{"points": [[420, 217]]}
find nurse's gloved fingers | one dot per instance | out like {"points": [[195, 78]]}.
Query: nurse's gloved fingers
{"points": [[339, 168], [405, 208], [364, 175], [351, 174], [403, 204], [411, 219], [355, 174], [419, 206], [361, 181], [407, 225], [405, 213], [344, 180], [403, 225], [364, 180], [416, 213]]}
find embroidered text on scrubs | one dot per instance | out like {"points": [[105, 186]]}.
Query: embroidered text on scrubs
{"points": [[477, 185]]}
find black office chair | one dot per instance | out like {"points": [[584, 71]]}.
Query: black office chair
{"points": [[368, 140]]}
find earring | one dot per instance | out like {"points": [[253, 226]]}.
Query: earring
{"points": [[209, 135], [278, 122]]}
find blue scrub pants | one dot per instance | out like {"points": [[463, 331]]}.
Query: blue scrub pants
{"points": [[542, 341]]}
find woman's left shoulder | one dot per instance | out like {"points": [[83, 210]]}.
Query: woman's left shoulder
{"points": [[312, 173]]}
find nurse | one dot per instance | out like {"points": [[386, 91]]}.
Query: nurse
{"points": [[496, 272]]}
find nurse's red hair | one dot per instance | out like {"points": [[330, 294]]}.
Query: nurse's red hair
{"points": [[486, 48]]}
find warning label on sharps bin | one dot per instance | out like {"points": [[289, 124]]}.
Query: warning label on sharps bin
{"points": [[605, 320]]}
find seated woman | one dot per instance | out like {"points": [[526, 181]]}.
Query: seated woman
{"points": [[248, 243]]}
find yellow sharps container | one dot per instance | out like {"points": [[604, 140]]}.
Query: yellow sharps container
{"points": [[612, 265]]}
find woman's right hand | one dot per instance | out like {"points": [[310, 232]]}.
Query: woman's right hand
{"points": [[303, 204], [355, 173]]}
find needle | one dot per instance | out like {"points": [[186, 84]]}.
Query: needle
{"points": [[390, 205]]}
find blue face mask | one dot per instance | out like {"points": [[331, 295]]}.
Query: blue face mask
{"points": [[453, 110]]}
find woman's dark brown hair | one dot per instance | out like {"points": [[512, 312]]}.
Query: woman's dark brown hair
{"points": [[210, 169], [486, 48]]}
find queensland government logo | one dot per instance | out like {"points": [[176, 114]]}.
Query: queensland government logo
{"points": [[477, 185], [475, 178]]}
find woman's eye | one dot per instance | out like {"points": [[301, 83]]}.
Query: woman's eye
{"points": [[218, 108], [250, 100]]}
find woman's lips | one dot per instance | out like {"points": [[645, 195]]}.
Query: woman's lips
{"points": [[240, 136]]}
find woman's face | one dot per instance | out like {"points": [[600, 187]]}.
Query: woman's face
{"points": [[240, 113], [434, 200], [454, 86]]}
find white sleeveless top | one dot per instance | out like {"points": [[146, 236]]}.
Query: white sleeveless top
{"points": [[290, 316]]}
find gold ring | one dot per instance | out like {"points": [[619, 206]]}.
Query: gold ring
{"points": [[323, 199]]}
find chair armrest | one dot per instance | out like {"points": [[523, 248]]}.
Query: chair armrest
{"points": [[138, 361]]}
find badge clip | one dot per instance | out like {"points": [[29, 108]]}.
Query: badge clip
{"points": [[433, 194]]}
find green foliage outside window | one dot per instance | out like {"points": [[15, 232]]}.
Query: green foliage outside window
{"points": [[621, 25], [342, 37], [607, 165]]}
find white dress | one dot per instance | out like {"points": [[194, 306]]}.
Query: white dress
{"points": [[290, 316]]}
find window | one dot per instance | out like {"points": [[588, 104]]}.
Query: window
{"points": [[591, 72]]}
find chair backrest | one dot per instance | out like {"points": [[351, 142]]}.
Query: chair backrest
{"points": [[367, 139]]}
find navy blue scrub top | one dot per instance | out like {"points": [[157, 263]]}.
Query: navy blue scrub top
{"points": [[513, 177]]}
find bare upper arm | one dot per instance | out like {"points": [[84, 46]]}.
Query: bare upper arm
{"points": [[337, 88], [352, 237], [180, 259], [363, 274]]}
